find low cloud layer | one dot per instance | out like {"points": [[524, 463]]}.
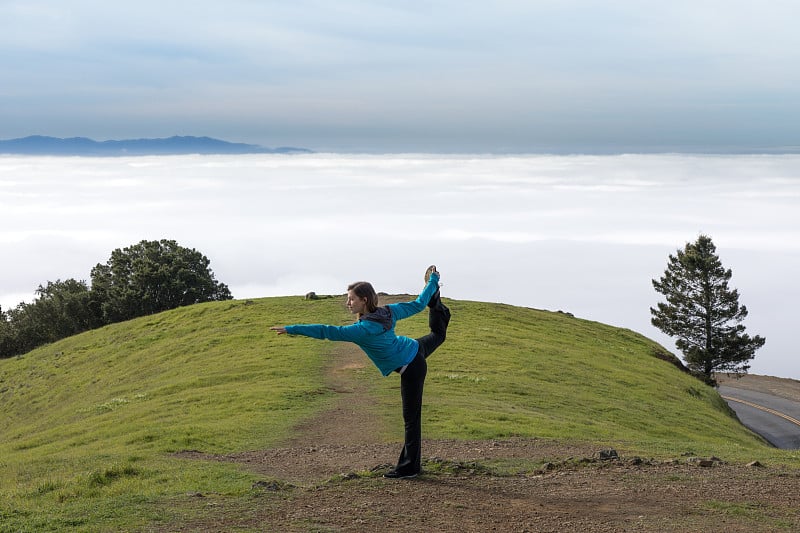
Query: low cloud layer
{"points": [[579, 234]]}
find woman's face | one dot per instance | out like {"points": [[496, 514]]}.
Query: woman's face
{"points": [[355, 304]]}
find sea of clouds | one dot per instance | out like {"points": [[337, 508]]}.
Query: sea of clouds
{"points": [[581, 234]]}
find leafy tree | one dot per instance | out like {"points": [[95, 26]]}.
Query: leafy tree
{"points": [[67, 308], [7, 338], [60, 310], [153, 276], [703, 313]]}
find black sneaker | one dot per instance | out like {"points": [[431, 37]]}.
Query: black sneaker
{"points": [[394, 474]]}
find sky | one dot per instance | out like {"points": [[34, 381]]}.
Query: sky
{"points": [[579, 234], [378, 76]]}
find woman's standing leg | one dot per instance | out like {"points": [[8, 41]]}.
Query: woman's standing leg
{"points": [[412, 382]]}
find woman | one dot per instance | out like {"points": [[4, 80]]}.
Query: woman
{"points": [[374, 333]]}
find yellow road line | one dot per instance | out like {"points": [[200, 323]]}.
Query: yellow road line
{"points": [[765, 409]]}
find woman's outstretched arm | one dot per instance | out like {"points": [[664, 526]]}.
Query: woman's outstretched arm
{"points": [[406, 309], [351, 333]]}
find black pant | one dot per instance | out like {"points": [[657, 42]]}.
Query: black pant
{"points": [[412, 381]]}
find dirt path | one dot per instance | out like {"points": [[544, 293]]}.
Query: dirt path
{"points": [[340, 440], [319, 488], [350, 422], [781, 387]]}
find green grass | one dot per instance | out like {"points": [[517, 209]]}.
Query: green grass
{"points": [[757, 515], [88, 425], [89, 421], [508, 371]]}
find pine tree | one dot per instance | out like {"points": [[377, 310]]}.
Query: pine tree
{"points": [[703, 313]]}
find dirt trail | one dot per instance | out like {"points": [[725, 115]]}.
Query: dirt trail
{"points": [[781, 387], [340, 440], [350, 421]]}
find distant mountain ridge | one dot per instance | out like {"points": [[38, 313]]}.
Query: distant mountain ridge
{"points": [[176, 145]]}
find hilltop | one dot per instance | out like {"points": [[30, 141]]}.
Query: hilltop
{"points": [[176, 145], [201, 419]]}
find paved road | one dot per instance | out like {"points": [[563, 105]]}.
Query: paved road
{"points": [[781, 431]]}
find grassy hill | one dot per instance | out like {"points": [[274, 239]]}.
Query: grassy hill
{"points": [[88, 424]]}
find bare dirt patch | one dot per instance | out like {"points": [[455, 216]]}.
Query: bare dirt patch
{"points": [[781, 387], [327, 478]]}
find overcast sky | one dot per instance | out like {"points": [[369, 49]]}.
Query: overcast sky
{"points": [[372, 76]]}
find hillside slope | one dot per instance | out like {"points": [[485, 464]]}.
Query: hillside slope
{"points": [[91, 424], [210, 376]]}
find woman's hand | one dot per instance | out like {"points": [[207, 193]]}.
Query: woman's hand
{"points": [[280, 329]]}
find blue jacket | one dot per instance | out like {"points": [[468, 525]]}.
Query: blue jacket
{"points": [[374, 332]]}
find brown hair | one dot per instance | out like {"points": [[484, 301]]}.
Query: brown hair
{"points": [[364, 289]]}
